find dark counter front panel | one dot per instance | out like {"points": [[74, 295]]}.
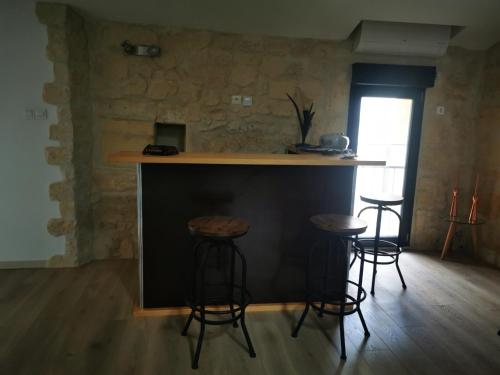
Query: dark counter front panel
{"points": [[276, 200]]}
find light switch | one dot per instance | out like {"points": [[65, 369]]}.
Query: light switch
{"points": [[247, 101], [37, 114], [440, 109], [236, 99], [40, 114], [29, 114]]}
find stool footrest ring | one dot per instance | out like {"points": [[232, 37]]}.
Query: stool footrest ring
{"points": [[351, 302], [220, 308], [381, 252]]}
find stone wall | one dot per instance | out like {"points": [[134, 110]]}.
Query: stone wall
{"points": [[67, 49], [488, 158], [198, 72], [447, 148], [192, 82]]}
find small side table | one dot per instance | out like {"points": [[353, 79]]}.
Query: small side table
{"points": [[454, 222]]}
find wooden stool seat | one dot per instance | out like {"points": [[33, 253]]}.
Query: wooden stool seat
{"points": [[383, 199], [218, 226], [339, 224]]}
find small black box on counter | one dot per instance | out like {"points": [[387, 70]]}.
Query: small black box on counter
{"points": [[160, 150]]}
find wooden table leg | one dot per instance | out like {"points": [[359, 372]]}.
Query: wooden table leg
{"points": [[475, 240], [449, 237]]}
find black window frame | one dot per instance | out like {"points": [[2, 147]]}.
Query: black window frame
{"points": [[394, 81]]}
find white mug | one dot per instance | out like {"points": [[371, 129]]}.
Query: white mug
{"points": [[337, 141]]}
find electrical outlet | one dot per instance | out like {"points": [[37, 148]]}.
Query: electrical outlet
{"points": [[440, 109], [236, 99], [247, 101]]}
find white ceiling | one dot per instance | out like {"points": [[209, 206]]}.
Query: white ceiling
{"points": [[324, 19]]}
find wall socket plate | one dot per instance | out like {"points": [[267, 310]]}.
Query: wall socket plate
{"points": [[236, 99], [440, 110], [247, 101]]}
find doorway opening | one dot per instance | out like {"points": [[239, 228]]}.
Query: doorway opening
{"points": [[384, 125], [385, 120]]}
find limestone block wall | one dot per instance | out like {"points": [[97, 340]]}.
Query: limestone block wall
{"points": [[116, 100], [488, 157], [191, 83], [447, 148], [198, 72], [67, 49]]}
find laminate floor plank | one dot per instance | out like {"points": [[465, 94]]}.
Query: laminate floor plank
{"points": [[464, 282], [410, 316], [21, 314], [412, 357], [445, 323], [79, 321], [437, 350], [319, 341]]}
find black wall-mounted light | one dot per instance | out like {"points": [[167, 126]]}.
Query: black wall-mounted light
{"points": [[141, 50]]}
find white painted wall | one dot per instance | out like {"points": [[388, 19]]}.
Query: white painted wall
{"points": [[24, 174]]}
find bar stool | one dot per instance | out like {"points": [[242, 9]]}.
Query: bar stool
{"points": [[327, 281], [215, 253], [391, 250]]}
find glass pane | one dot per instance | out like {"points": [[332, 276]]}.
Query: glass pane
{"points": [[384, 126]]}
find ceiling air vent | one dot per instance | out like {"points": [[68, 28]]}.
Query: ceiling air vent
{"points": [[407, 39]]}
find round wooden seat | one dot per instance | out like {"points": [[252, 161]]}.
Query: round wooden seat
{"points": [[218, 226], [383, 199], [339, 224]]}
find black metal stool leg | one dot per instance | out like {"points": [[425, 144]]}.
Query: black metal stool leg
{"points": [[231, 281], [295, 332], [200, 339], [375, 248], [251, 351], [399, 272], [363, 323], [345, 270], [353, 260], [372, 291], [360, 283], [197, 246], [202, 267], [321, 309], [342, 334], [188, 323], [355, 252], [325, 280]]}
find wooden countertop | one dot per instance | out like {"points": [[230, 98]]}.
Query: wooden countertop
{"points": [[240, 159]]}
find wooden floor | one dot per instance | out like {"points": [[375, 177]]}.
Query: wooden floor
{"points": [[78, 321]]}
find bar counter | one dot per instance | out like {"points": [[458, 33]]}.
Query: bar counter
{"points": [[209, 158], [275, 193]]}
